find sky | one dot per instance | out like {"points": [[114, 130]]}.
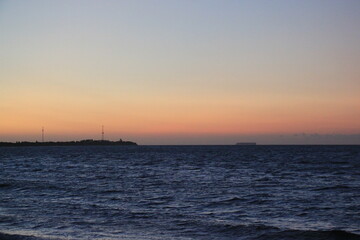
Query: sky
{"points": [[181, 72]]}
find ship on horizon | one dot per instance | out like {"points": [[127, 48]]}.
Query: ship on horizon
{"points": [[246, 143]]}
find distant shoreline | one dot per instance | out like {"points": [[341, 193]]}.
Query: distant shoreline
{"points": [[68, 143]]}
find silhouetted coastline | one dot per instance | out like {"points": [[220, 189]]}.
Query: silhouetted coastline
{"points": [[86, 142]]}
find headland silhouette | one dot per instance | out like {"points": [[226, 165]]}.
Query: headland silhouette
{"points": [[86, 142]]}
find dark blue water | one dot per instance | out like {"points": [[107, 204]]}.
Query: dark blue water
{"points": [[180, 192]]}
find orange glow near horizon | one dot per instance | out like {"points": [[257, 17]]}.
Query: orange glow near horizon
{"points": [[176, 117]]}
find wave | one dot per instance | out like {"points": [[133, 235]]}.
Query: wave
{"points": [[224, 201], [5, 236], [262, 232], [310, 235], [342, 187], [5, 185], [224, 230], [229, 231]]}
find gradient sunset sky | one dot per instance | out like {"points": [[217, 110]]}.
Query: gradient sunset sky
{"points": [[181, 72]]}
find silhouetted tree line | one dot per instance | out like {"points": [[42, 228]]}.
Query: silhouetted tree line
{"points": [[85, 142]]}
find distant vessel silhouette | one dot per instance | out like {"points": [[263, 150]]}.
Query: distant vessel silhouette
{"points": [[246, 143]]}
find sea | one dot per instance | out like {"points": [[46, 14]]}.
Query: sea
{"points": [[180, 192]]}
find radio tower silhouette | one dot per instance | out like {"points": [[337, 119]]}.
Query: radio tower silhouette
{"points": [[42, 134], [102, 133]]}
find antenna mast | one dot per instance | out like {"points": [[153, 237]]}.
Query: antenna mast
{"points": [[42, 134], [102, 133]]}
